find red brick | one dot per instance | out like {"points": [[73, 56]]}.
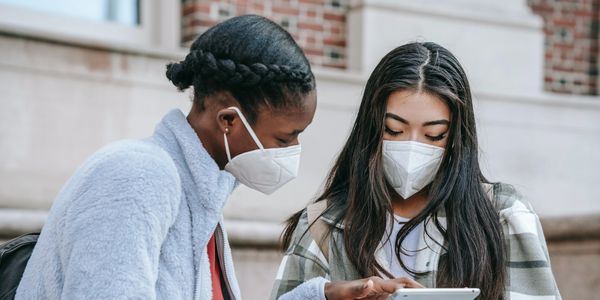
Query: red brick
{"points": [[311, 13], [258, 6], [565, 22], [203, 23], [286, 10], [562, 46], [334, 42], [332, 65], [334, 17], [310, 26], [312, 51], [584, 13], [190, 9], [337, 29], [321, 2]]}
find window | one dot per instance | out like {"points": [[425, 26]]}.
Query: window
{"points": [[124, 12], [128, 22]]}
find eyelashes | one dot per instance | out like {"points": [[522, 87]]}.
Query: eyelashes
{"points": [[431, 138], [391, 132], [437, 137]]}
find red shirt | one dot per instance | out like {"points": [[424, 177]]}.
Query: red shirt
{"points": [[215, 269]]}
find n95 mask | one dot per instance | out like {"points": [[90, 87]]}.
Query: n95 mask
{"points": [[264, 170], [410, 166]]}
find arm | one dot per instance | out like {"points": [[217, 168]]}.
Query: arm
{"points": [[303, 269], [299, 278], [529, 270], [116, 225], [304, 274]]}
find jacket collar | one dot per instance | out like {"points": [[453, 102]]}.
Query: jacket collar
{"points": [[331, 215], [205, 186]]}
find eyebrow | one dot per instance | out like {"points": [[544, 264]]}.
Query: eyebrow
{"points": [[437, 122], [430, 123], [396, 117]]}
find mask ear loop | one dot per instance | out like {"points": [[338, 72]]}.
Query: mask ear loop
{"points": [[248, 127], [227, 147]]}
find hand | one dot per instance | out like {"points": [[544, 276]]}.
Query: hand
{"points": [[408, 282], [367, 289]]}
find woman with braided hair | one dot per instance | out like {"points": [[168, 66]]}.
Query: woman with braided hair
{"points": [[141, 219]]}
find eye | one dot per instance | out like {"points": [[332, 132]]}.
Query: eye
{"points": [[437, 137], [391, 132], [284, 142]]}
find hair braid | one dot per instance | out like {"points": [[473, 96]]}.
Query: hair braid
{"points": [[230, 73]]}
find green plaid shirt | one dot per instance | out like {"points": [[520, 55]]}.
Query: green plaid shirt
{"points": [[529, 274]]}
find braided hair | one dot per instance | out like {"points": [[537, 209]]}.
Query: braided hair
{"points": [[251, 57]]}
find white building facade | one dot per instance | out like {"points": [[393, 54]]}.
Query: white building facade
{"points": [[72, 87]]}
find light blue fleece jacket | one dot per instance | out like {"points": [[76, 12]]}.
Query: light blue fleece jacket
{"points": [[133, 223]]}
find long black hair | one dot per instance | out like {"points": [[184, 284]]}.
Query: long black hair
{"points": [[252, 58], [474, 243]]}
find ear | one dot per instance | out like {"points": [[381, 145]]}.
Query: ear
{"points": [[226, 119]]}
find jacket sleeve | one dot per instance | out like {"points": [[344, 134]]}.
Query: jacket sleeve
{"points": [[529, 271], [304, 270], [115, 227]]}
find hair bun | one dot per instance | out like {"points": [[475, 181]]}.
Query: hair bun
{"points": [[180, 75]]}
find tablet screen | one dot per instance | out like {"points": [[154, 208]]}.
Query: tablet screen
{"points": [[436, 294]]}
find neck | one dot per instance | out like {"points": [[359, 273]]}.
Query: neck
{"points": [[410, 207], [208, 135]]}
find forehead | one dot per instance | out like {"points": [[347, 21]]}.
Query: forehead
{"points": [[417, 106], [297, 117]]}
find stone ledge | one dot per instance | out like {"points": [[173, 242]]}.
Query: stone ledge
{"points": [[15, 222], [245, 233], [572, 228], [241, 233]]}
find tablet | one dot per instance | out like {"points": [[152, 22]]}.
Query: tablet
{"points": [[436, 294]]}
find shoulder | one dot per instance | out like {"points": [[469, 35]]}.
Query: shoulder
{"points": [[515, 211], [303, 242], [132, 158], [303, 245], [135, 170], [508, 199], [301, 236]]}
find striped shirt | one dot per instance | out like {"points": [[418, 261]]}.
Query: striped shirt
{"points": [[529, 275]]}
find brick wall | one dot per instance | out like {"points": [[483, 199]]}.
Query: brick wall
{"points": [[572, 45], [318, 26]]}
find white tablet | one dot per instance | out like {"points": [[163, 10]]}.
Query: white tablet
{"points": [[436, 294]]}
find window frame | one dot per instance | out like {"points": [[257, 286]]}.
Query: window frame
{"points": [[159, 27]]}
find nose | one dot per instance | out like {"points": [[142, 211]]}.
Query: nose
{"points": [[295, 142], [414, 136]]}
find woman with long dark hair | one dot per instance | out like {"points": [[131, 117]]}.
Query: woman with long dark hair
{"points": [[406, 197]]}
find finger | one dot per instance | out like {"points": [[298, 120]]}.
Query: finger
{"points": [[409, 282], [390, 286]]}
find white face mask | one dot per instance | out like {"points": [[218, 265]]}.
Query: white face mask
{"points": [[264, 170], [410, 166]]}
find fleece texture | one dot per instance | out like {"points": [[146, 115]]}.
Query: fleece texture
{"points": [[133, 222]]}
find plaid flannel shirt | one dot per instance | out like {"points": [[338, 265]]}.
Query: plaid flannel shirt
{"points": [[529, 275]]}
